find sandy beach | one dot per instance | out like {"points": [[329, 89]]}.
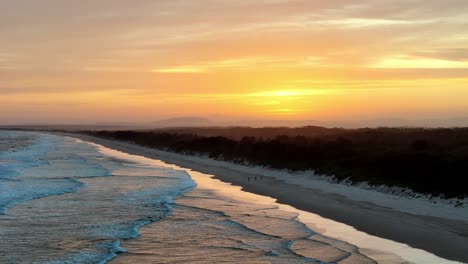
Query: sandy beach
{"points": [[446, 238]]}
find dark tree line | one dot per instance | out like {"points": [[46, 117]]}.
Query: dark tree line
{"points": [[431, 161]]}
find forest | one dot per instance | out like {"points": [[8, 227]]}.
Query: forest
{"points": [[431, 161]]}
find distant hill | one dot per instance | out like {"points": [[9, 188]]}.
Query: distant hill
{"points": [[358, 123], [205, 122], [198, 122], [183, 122]]}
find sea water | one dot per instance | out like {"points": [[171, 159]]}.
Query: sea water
{"points": [[61, 201], [67, 201]]}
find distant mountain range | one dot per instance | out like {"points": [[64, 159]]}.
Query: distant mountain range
{"points": [[205, 122], [184, 122], [181, 122]]}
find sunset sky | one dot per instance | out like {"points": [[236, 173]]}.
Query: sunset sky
{"points": [[64, 61]]}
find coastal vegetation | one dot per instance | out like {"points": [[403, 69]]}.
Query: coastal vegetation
{"points": [[433, 161]]}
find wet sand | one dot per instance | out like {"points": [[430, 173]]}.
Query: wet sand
{"points": [[443, 237]]}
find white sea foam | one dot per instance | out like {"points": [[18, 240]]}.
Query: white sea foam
{"points": [[24, 150], [13, 192]]}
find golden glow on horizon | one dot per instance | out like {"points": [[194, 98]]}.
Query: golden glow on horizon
{"points": [[295, 59], [292, 92]]}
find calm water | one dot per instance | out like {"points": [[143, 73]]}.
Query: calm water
{"points": [[67, 201]]}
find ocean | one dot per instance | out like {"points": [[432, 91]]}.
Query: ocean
{"points": [[63, 200]]}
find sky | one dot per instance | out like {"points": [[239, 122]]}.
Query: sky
{"points": [[64, 61]]}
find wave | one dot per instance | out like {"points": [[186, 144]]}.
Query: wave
{"points": [[14, 192], [108, 250], [29, 171], [86, 202], [23, 150]]}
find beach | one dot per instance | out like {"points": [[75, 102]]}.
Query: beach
{"points": [[443, 237]]}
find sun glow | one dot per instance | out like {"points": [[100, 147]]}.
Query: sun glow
{"points": [[291, 102], [291, 93]]}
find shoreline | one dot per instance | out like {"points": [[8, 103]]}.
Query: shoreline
{"points": [[223, 198], [443, 237]]}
